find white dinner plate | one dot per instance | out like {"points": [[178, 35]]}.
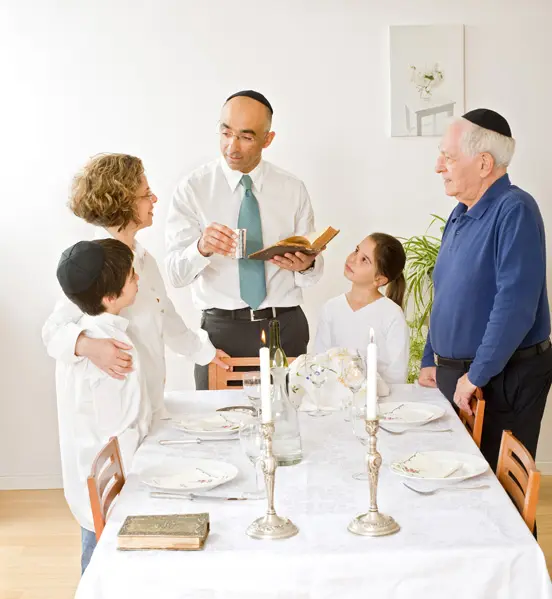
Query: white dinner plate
{"points": [[192, 474], [211, 423], [408, 413], [443, 466]]}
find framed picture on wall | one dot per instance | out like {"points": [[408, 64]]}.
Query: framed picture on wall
{"points": [[427, 78]]}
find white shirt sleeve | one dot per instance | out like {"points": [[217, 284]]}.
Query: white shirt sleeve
{"points": [[61, 331], [183, 262], [323, 340], [195, 346], [397, 341], [116, 406], [304, 225]]}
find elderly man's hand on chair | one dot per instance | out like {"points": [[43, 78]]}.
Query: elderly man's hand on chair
{"points": [[464, 392]]}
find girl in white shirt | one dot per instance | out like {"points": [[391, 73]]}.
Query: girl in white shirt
{"points": [[346, 320]]}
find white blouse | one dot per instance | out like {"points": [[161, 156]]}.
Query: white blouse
{"points": [[153, 322]]}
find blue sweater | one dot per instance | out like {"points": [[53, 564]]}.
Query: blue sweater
{"points": [[490, 283]]}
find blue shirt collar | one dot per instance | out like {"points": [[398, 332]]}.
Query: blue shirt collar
{"points": [[494, 191]]}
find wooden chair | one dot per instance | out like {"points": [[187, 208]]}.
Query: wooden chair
{"points": [[518, 474], [105, 482], [474, 421], [232, 379]]}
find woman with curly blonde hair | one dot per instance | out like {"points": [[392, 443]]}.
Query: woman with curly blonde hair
{"points": [[112, 192]]}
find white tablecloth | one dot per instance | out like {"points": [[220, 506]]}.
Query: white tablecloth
{"points": [[465, 545]]}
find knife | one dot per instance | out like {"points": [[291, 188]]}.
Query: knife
{"points": [[192, 496], [194, 441]]}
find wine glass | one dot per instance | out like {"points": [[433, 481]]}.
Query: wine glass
{"points": [[358, 420], [252, 442], [353, 375], [252, 388], [318, 375]]}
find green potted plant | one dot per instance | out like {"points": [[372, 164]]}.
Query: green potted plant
{"points": [[421, 254]]}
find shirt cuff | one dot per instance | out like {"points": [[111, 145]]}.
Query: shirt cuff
{"points": [[310, 276], [207, 351], [195, 259], [477, 375], [428, 362], [63, 346]]}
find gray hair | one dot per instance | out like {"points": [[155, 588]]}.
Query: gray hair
{"points": [[476, 140]]}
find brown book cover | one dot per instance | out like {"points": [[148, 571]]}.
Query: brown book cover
{"points": [[308, 245], [184, 532]]}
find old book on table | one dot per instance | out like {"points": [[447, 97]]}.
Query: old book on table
{"points": [[310, 244], [171, 531]]}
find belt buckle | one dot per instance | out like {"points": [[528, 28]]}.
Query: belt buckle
{"points": [[252, 314]]}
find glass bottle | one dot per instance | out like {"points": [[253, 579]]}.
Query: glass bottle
{"points": [[286, 442], [278, 358]]}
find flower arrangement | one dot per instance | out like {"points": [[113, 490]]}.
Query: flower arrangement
{"points": [[427, 79], [335, 390]]}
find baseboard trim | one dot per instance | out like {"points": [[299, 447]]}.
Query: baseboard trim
{"points": [[12, 483], [545, 467]]}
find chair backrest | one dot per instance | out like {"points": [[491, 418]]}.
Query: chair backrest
{"points": [[232, 379], [105, 482], [474, 421], [518, 474]]}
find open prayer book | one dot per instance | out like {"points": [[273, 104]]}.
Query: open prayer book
{"points": [[174, 531], [310, 244]]}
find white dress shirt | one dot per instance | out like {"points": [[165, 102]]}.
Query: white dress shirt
{"points": [[92, 407], [153, 322], [213, 193], [341, 326]]}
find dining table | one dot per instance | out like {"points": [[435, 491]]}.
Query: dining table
{"points": [[457, 543]]}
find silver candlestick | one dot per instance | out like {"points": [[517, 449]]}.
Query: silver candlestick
{"points": [[270, 526], [373, 523]]}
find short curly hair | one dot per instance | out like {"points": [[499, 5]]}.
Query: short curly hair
{"points": [[104, 192]]}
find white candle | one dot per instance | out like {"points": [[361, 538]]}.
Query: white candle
{"points": [[372, 379], [266, 403]]}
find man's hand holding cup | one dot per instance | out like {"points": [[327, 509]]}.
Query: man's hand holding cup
{"points": [[217, 239]]}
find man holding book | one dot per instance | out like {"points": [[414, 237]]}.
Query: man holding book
{"points": [[241, 191]]}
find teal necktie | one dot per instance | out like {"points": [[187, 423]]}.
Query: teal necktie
{"points": [[252, 272]]}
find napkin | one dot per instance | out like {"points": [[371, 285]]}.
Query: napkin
{"points": [[425, 465]]}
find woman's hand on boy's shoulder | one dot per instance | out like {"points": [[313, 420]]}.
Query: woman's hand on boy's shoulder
{"points": [[108, 355]]}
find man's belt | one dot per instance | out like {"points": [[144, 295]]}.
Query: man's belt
{"points": [[519, 354], [248, 314]]}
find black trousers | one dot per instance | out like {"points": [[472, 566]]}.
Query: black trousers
{"points": [[242, 338], [514, 400]]}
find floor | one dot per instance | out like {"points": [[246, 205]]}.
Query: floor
{"points": [[40, 543]]}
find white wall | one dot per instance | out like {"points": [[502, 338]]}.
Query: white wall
{"points": [[149, 78]]}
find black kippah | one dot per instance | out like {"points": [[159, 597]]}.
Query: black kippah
{"points": [[249, 93], [489, 119], [80, 266]]}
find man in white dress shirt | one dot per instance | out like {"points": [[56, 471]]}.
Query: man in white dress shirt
{"points": [[240, 190]]}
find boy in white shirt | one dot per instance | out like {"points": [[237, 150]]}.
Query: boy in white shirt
{"points": [[346, 319], [98, 276]]}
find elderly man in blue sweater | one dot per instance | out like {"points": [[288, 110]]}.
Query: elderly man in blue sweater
{"points": [[490, 323]]}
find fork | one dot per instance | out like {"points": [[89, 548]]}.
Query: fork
{"points": [[437, 489], [416, 429]]}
